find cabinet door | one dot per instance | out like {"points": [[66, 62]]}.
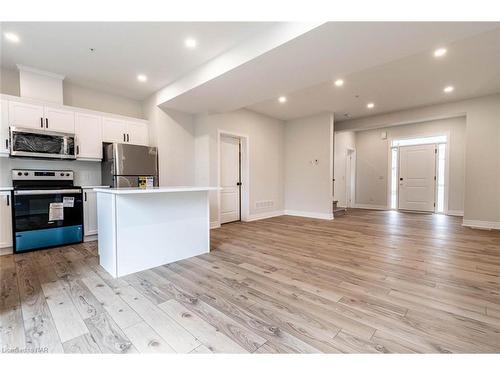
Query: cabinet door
{"points": [[4, 127], [89, 212], [88, 132], [26, 115], [5, 219], [137, 133], [59, 120], [113, 130]]}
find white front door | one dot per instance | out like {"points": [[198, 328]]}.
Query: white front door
{"points": [[417, 171], [229, 179]]}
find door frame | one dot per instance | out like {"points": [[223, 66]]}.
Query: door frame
{"points": [[244, 172], [446, 169]]}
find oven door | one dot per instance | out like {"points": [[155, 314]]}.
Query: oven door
{"points": [[41, 143], [46, 218]]}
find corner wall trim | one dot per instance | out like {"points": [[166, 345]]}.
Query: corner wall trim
{"points": [[312, 215], [371, 207], [214, 224], [455, 213], [481, 224], [264, 215]]}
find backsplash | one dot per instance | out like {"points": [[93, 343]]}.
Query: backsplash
{"points": [[86, 172]]}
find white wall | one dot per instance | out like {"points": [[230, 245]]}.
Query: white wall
{"points": [[372, 172], [308, 186], [482, 151], [173, 134], [343, 141], [79, 96], [266, 156]]}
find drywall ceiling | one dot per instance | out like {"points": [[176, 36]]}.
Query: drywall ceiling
{"points": [[390, 64], [122, 50], [471, 66]]}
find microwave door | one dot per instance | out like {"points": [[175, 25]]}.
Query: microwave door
{"points": [[36, 143]]}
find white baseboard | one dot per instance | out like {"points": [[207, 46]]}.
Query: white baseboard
{"points": [[92, 237], [312, 215], [6, 250], [479, 224], [214, 224], [455, 213], [264, 215], [371, 207]]}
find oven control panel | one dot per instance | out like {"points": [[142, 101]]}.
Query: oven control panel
{"points": [[31, 174]]}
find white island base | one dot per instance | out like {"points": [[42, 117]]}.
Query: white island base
{"points": [[141, 229]]}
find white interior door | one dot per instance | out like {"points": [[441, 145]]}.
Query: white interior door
{"points": [[229, 179], [417, 171]]}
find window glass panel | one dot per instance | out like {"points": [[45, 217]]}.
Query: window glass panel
{"points": [[440, 177], [419, 141], [394, 177]]}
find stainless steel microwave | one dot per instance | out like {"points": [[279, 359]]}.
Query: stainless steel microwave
{"points": [[41, 143]]}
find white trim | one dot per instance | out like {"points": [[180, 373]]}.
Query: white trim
{"points": [[90, 237], [313, 215], [214, 224], [265, 215], [6, 250], [245, 172], [371, 207], [455, 213], [24, 68], [479, 224]]}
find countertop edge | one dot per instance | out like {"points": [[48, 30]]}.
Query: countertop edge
{"points": [[125, 191]]}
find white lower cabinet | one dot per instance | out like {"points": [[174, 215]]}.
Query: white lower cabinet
{"points": [[89, 212], [5, 219]]}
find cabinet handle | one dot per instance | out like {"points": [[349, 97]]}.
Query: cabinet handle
{"points": [[77, 149], [127, 138], [85, 194], [123, 137], [41, 122], [46, 122], [7, 143], [8, 200]]}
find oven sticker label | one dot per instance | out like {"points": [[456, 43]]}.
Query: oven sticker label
{"points": [[56, 211], [68, 201]]}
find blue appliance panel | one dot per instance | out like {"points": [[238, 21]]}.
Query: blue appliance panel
{"points": [[40, 238]]}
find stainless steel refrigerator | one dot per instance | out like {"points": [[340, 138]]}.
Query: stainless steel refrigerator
{"points": [[129, 166]]}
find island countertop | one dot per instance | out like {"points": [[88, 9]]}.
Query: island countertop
{"points": [[152, 190]]}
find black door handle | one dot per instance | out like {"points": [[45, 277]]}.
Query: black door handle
{"points": [[46, 122], [8, 200], [238, 184], [41, 122], [400, 178], [127, 137], [85, 194], [77, 149], [7, 143]]}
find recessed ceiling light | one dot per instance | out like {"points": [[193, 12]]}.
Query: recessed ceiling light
{"points": [[142, 78], [448, 89], [282, 99], [339, 82], [11, 37], [440, 52], [190, 43], [370, 105]]}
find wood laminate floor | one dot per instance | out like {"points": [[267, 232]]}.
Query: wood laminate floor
{"points": [[367, 282]]}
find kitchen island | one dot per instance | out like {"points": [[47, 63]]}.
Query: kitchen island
{"points": [[146, 228]]}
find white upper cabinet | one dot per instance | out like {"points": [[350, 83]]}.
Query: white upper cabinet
{"points": [[121, 131], [59, 120], [137, 133], [88, 136], [26, 115], [4, 127], [114, 130]]}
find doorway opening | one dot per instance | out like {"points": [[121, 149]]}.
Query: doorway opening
{"points": [[419, 174], [350, 177], [233, 177]]}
